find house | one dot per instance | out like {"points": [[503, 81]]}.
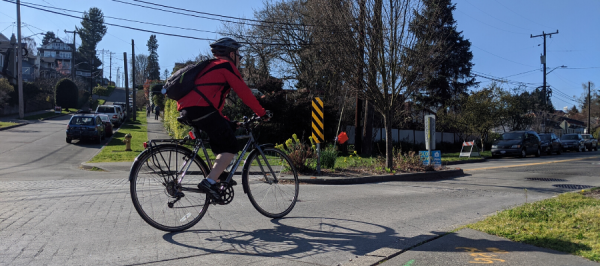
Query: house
{"points": [[55, 58], [8, 61]]}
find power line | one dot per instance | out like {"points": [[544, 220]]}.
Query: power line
{"points": [[495, 17], [491, 54], [522, 73], [128, 27]]}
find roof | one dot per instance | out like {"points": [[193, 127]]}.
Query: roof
{"points": [[85, 115]]}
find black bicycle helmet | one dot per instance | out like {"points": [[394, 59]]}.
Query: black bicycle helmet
{"points": [[224, 46]]}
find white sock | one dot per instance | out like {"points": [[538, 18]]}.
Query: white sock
{"points": [[212, 182]]}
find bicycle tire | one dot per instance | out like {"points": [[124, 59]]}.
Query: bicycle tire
{"points": [[283, 194], [148, 175]]}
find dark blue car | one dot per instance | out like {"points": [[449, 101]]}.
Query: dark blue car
{"points": [[85, 126]]}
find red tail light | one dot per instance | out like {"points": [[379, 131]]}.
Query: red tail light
{"points": [[145, 145], [114, 116], [192, 135]]}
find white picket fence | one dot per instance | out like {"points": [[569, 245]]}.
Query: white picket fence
{"points": [[406, 135]]}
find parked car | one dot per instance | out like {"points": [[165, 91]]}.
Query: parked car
{"points": [[591, 143], [85, 126], [121, 113], [574, 142], [550, 143], [111, 111], [519, 143], [123, 107], [108, 128]]}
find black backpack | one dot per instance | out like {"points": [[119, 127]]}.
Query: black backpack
{"points": [[182, 82]]}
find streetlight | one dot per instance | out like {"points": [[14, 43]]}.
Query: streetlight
{"points": [[563, 66]]}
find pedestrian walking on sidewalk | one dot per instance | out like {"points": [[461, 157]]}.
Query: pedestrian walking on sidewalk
{"points": [[147, 110], [156, 112]]}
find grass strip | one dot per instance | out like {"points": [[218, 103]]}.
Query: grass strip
{"points": [[453, 157], [569, 223], [7, 124], [114, 151], [47, 114]]}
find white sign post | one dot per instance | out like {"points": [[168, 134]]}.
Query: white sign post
{"points": [[430, 134]]}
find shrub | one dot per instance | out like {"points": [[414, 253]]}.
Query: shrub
{"points": [[299, 152], [82, 98], [66, 94], [101, 91], [170, 114], [328, 157], [5, 90]]}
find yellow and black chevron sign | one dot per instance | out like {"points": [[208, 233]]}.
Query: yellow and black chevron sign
{"points": [[317, 121]]}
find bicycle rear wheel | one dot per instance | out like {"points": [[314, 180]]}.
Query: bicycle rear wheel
{"points": [[155, 192], [273, 196]]}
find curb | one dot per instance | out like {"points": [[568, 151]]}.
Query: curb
{"points": [[13, 126], [427, 176]]}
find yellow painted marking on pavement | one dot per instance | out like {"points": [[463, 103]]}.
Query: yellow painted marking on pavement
{"points": [[530, 164], [482, 256]]}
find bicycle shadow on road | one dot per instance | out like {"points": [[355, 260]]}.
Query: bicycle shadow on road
{"points": [[310, 236]]}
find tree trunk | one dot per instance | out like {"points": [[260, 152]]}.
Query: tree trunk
{"points": [[367, 136], [389, 148]]}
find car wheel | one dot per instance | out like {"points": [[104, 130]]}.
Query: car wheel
{"points": [[596, 149], [549, 151], [68, 140], [579, 149], [538, 153], [99, 139], [559, 151], [523, 153]]}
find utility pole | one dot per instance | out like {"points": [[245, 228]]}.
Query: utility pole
{"points": [[20, 62], [544, 89], [110, 67], [117, 81], [133, 79], [102, 77], [72, 55], [126, 81], [543, 59], [589, 125]]}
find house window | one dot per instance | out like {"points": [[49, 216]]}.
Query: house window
{"points": [[1, 60]]}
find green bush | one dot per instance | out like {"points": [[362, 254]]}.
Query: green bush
{"points": [[328, 157], [170, 114], [5, 90], [101, 91], [66, 94]]}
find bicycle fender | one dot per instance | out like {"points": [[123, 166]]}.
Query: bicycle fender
{"points": [[136, 161]]}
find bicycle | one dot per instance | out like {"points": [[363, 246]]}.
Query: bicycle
{"points": [[164, 178]]}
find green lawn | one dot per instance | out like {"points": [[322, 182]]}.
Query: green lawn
{"points": [[114, 151], [569, 223], [47, 114], [453, 157], [7, 124]]}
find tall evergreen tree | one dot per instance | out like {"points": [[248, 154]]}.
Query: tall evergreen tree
{"points": [[48, 36], [453, 75], [91, 33], [153, 69]]}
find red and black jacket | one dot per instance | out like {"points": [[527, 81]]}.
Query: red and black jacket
{"points": [[215, 82]]}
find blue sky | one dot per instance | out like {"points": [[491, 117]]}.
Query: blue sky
{"points": [[499, 31]]}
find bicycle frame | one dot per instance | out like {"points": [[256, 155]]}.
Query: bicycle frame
{"points": [[199, 144]]}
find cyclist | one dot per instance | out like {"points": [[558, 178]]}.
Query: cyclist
{"points": [[204, 109]]}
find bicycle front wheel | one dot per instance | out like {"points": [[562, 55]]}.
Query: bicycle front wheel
{"points": [[156, 194], [271, 182]]}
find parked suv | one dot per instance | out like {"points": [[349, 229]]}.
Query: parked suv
{"points": [[574, 142], [591, 144], [123, 107], [519, 143], [85, 126], [111, 111], [550, 143]]}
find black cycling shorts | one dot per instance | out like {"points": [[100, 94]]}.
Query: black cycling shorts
{"points": [[220, 131]]}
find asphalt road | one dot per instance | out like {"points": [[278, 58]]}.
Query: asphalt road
{"points": [[53, 213]]}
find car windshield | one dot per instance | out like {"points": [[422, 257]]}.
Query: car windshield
{"points": [[586, 136], [545, 137], [106, 109], [82, 121], [511, 136], [569, 137]]}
